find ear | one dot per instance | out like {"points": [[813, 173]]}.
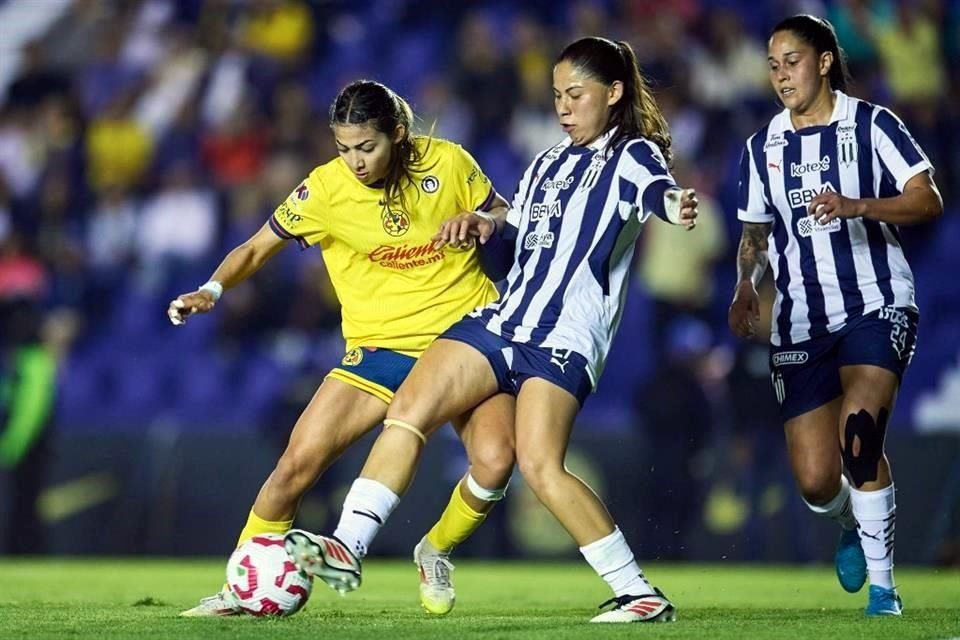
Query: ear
{"points": [[399, 133], [614, 93], [826, 63]]}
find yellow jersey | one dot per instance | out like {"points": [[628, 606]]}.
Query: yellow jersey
{"points": [[395, 290]]}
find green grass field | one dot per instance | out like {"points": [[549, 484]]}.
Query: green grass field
{"points": [[112, 598]]}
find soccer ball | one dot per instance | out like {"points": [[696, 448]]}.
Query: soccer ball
{"points": [[264, 580]]}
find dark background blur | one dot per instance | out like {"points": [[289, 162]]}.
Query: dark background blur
{"points": [[141, 140]]}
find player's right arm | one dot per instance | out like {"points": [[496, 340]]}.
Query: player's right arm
{"points": [[241, 263], [751, 264]]}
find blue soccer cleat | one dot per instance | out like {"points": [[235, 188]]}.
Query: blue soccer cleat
{"points": [[850, 562], [884, 602]]}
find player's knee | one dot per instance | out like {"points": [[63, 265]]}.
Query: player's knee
{"points": [[491, 463], [537, 470], [818, 487]]}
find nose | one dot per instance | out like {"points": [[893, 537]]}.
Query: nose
{"points": [[355, 161], [563, 106]]}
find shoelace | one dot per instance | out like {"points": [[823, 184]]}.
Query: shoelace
{"points": [[438, 571], [620, 601], [627, 599]]}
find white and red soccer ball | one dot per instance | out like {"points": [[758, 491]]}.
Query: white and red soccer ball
{"points": [[264, 580]]}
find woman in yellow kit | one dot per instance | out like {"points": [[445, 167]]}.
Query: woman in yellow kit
{"points": [[373, 212]]}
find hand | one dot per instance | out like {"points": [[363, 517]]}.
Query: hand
{"points": [[684, 203], [827, 206], [188, 304], [462, 230], [744, 311]]}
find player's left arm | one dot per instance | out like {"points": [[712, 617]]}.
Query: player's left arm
{"points": [[903, 163], [657, 191], [920, 202]]}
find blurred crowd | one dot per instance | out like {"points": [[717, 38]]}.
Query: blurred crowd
{"points": [[140, 140]]}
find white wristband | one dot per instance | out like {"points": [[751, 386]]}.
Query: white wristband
{"points": [[671, 204], [214, 288]]}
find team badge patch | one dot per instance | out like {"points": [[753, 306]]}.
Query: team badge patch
{"points": [[395, 223], [352, 358], [430, 184], [847, 145], [302, 192]]}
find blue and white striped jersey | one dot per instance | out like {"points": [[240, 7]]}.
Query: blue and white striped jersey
{"points": [[577, 212], [829, 274]]}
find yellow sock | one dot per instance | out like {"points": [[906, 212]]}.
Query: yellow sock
{"points": [[458, 521], [257, 525]]}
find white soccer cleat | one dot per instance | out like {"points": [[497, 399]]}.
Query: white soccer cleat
{"points": [[215, 606], [653, 607], [436, 585], [325, 558]]}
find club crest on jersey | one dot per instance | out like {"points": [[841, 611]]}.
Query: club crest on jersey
{"points": [[302, 192], [395, 223], [430, 184], [352, 358], [846, 145]]}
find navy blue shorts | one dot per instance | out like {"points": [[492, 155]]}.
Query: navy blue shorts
{"points": [[515, 363], [379, 372], [806, 375]]}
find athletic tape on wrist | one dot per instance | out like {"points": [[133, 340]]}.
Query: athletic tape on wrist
{"points": [[214, 288]]}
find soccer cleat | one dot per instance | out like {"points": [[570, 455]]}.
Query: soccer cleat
{"points": [[325, 558], [850, 562], [653, 607], [215, 606], [884, 602], [436, 586]]}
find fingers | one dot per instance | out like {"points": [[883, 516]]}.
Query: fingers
{"points": [[688, 209], [485, 232], [174, 313], [186, 305]]}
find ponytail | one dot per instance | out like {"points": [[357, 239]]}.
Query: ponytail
{"points": [[368, 102], [637, 113]]}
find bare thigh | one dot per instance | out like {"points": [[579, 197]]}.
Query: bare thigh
{"points": [[449, 379], [814, 452]]}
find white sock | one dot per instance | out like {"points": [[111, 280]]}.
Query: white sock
{"points": [[613, 561], [365, 509], [839, 509], [876, 511]]}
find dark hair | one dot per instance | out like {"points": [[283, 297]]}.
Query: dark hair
{"points": [[819, 34], [637, 113], [368, 102]]}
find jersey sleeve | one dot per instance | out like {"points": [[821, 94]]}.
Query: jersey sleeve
{"points": [[516, 204], [473, 186], [643, 181], [900, 156], [752, 204], [297, 217]]}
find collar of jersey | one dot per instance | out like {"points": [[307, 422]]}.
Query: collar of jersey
{"points": [[841, 112], [597, 145]]}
